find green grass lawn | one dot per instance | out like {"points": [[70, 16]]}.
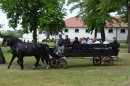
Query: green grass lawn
{"points": [[80, 72]]}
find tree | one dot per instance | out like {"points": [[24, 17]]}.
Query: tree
{"points": [[2, 58], [121, 7], [33, 15], [92, 17]]}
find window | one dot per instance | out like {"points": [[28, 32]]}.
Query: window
{"points": [[86, 30], [66, 30], [76, 30], [110, 31], [122, 30]]}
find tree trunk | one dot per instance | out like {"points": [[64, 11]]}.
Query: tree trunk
{"points": [[48, 36], [2, 58], [95, 35], [35, 35], [103, 34], [128, 9], [127, 40]]}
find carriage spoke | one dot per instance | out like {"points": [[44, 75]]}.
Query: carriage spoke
{"points": [[61, 63], [97, 60], [108, 61]]}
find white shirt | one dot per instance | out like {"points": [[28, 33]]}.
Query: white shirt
{"points": [[106, 42], [90, 41], [84, 42], [97, 42]]}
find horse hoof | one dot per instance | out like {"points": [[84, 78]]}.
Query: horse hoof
{"points": [[22, 68], [34, 68], [47, 68], [8, 68]]}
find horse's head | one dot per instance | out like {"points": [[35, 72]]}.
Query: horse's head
{"points": [[6, 41]]}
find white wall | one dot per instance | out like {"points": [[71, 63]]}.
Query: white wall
{"points": [[27, 37], [71, 33], [117, 33], [40, 37]]}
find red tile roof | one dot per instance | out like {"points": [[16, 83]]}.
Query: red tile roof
{"points": [[77, 22], [74, 22]]}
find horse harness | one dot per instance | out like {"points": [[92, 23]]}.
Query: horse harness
{"points": [[22, 48]]}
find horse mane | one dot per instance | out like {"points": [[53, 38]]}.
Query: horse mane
{"points": [[16, 39]]}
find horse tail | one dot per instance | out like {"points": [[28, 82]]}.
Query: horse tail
{"points": [[47, 49]]}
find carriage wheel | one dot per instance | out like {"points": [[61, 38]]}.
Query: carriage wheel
{"points": [[52, 62], [97, 60], [61, 63], [108, 61]]}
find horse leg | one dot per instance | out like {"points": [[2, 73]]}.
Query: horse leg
{"points": [[37, 62], [18, 61], [21, 62], [13, 57], [47, 63]]}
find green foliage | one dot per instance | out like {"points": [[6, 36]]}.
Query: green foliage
{"points": [[49, 40], [91, 16], [16, 33], [45, 15], [1, 35], [122, 8]]}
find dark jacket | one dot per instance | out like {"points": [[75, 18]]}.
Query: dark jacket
{"points": [[114, 44], [60, 42], [75, 42], [66, 42]]}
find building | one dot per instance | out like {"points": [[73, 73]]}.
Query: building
{"points": [[75, 28], [29, 37]]}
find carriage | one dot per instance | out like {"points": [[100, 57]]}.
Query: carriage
{"points": [[98, 52]]}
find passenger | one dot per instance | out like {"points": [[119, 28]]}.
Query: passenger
{"points": [[106, 41], [114, 42], [97, 42], [90, 41], [94, 39], [83, 41], [59, 44], [87, 38], [80, 40], [75, 41], [66, 45]]}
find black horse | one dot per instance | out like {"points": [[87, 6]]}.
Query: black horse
{"points": [[20, 49]]}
